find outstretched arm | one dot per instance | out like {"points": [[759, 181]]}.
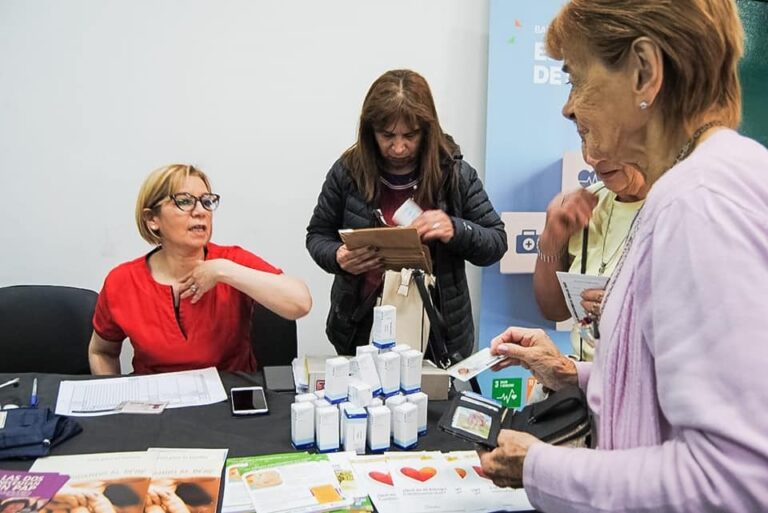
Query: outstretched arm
{"points": [[288, 297]]}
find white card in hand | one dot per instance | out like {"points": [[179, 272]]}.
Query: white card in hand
{"points": [[474, 365], [141, 407], [573, 284], [407, 213]]}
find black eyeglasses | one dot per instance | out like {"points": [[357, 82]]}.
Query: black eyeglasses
{"points": [[187, 202]]}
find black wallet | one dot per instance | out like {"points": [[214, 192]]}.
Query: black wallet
{"points": [[561, 417]]}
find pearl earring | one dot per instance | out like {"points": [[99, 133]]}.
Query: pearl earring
{"points": [[643, 105]]}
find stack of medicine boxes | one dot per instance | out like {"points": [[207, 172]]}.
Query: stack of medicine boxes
{"points": [[367, 400]]}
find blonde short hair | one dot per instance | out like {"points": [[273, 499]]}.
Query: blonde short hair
{"points": [[701, 41], [160, 184]]}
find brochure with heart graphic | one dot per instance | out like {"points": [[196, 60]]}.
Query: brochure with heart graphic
{"points": [[376, 480], [478, 493], [424, 482]]}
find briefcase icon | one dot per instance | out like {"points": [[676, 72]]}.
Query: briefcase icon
{"points": [[527, 242]]}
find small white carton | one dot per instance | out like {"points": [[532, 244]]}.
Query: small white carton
{"points": [[379, 428], [327, 428], [302, 425], [391, 403], [355, 426], [388, 366], [421, 401], [410, 371], [336, 379], [384, 326], [404, 425], [359, 394]]}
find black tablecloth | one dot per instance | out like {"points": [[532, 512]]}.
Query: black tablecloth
{"points": [[211, 426]]}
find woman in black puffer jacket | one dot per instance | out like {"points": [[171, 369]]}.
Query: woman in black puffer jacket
{"points": [[402, 153]]}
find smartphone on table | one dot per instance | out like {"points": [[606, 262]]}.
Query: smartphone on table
{"points": [[248, 401]]}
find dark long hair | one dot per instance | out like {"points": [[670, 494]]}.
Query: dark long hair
{"points": [[399, 95]]}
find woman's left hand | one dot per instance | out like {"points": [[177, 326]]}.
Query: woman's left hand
{"points": [[202, 279], [504, 464], [592, 302], [434, 225]]}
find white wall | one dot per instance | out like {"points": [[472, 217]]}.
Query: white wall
{"points": [[262, 95]]}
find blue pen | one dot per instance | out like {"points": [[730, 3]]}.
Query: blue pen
{"points": [[33, 397]]}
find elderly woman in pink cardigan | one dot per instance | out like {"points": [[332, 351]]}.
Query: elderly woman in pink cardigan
{"points": [[678, 386]]}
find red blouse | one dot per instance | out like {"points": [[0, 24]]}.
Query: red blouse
{"points": [[215, 331]]}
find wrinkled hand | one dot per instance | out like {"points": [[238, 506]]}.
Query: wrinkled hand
{"points": [[567, 213], [152, 497], [203, 278], [504, 464], [172, 503], [434, 225], [358, 261], [98, 503], [592, 302], [533, 350]]}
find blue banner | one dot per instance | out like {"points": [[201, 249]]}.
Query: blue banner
{"points": [[527, 138]]}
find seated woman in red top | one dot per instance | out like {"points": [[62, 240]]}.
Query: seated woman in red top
{"points": [[187, 304]]}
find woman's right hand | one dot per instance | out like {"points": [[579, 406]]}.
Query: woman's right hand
{"points": [[358, 261], [532, 349], [567, 213]]}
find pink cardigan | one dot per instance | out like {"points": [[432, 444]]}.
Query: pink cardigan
{"points": [[680, 380]]}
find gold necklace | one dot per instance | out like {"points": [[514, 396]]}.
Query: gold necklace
{"points": [[690, 144]]}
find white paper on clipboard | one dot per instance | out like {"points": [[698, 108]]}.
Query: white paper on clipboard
{"points": [[573, 284]]}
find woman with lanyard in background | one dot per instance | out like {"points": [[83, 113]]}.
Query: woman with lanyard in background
{"points": [[604, 212]]}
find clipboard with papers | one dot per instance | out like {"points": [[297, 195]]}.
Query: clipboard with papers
{"points": [[398, 247]]}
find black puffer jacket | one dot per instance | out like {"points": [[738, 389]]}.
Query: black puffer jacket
{"points": [[479, 238]]}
